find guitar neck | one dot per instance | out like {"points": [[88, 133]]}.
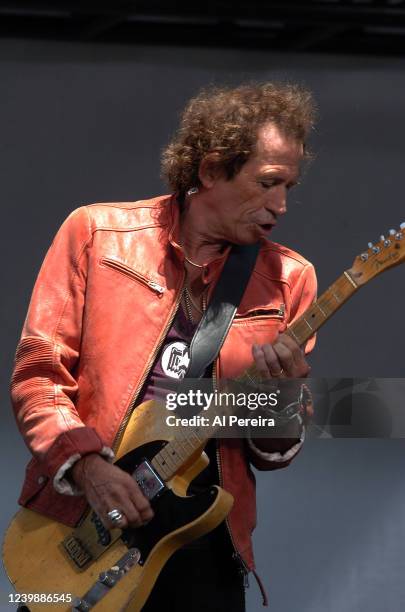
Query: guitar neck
{"points": [[321, 310], [388, 252], [314, 317]]}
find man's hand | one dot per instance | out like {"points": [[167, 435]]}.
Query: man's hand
{"points": [[107, 487], [283, 359]]}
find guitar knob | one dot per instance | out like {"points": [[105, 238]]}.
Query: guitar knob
{"points": [[80, 605]]}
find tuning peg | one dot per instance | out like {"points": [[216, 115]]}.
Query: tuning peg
{"points": [[402, 225], [392, 232], [370, 245], [382, 238]]}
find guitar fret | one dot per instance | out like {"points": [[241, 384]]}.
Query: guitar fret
{"points": [[321, 309], [335, 296], [349, 278], [179, 450], [167, 457], [310, 326], [195, 434], [295, 335], [162, 468]]}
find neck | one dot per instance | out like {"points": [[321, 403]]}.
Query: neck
{"points": [[199, 244]]}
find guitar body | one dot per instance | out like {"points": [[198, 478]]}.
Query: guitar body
{"points": [[36, 560]]}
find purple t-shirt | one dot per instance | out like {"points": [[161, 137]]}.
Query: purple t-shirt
{"points": [[172, 360], [171, 365]]}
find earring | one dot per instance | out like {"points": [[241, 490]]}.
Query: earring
{"points": [[192, 191]]}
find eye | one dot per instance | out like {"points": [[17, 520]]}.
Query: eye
{"points": [[266, 185]]}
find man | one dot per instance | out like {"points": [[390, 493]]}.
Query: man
{"points": [[120, 294]]}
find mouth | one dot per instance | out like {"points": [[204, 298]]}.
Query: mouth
{"points": [[266, 227]]}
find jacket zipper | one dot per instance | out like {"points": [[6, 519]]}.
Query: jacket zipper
{"points": [[131, 406], [243, 568], [274, 313], [119, 266]]}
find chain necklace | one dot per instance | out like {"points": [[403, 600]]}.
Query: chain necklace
{"points": [[196, 265], [189, 304]]}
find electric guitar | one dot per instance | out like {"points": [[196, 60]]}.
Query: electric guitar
{"points": [[91, 568]]}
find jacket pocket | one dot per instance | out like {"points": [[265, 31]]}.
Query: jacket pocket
{"points": [[119, 266], [262, 312]]}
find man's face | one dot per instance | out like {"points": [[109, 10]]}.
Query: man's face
{"points": [[245, 208]]}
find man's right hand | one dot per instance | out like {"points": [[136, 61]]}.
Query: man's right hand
{"points": [[107, 487]]}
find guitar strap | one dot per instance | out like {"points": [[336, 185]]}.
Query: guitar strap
{"points": [[216, 320]]}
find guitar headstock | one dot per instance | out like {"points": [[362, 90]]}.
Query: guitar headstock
{"points": [[387, 253]]}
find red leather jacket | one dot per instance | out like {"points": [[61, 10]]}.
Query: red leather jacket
{"points": [[102, 304]]}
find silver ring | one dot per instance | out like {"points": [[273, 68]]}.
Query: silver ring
{"points": [[115, 515]]}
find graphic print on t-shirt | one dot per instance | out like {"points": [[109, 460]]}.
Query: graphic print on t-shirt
{"points": [[175, 359]]}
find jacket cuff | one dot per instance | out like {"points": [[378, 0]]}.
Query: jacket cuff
{"points": [[76, 443], [277, 457], [63, 484]]}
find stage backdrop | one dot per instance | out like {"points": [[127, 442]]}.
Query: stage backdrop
{"points": [[82, 123]]}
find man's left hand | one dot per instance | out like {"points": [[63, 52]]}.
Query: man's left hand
{"points": [[283, 359]]}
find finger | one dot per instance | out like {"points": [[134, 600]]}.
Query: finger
{"points": [[129, 505], [260, 361], [285, 357], [301, 366], [310, 409], [116, 499], [131, 514], [272, 360], [135, 505], [296, 351], [142, 505], [102, 502]]}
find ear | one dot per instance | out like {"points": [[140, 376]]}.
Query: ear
{"points": [[209, 171]]}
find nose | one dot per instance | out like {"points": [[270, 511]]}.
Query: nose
{"points": [[278, 202]]}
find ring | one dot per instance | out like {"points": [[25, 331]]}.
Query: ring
{"points": [[115, 515], [277, 374]]}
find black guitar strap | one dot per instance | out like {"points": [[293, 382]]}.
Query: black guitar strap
{"points": [[216, 321]]}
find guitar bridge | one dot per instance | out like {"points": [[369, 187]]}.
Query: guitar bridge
{"points": [[76, 551]]}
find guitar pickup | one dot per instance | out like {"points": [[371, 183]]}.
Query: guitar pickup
{"points": [[148, 480]]}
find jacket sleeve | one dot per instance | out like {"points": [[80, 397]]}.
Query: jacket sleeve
{"points": [[43, 386], [303, 294]]}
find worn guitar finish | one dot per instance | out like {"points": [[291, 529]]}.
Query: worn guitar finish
{"points": [[43, 556]]}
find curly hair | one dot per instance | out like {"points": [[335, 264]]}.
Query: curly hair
{"points": [[225, 121]]}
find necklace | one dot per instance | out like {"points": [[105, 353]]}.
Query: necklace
{"points": [[192, 262], [189, 303]]}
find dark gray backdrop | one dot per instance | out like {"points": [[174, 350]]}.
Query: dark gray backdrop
{"points": [[85, 123]]}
